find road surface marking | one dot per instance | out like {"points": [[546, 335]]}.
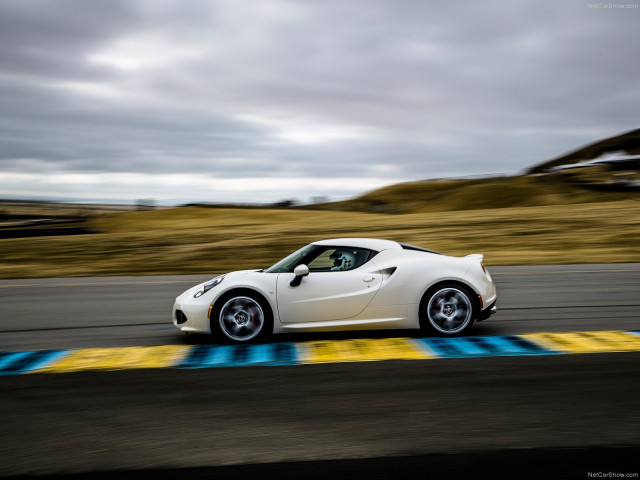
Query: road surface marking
{"points": [[119, 358], [314, 352], [22, 362], [361, 350], [208, 356], [503, 345], [587, 342]]}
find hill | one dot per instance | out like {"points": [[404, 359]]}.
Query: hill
{"points": [[543, 184], [627, 142], [560, 188]]}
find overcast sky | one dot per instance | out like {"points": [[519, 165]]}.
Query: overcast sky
{"points": [[259, 101]]}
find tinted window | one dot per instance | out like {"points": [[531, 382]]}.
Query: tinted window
{"points": [[321, 258], [338, 259]]}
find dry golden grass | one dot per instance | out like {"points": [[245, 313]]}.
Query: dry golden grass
{"points": [[206, 240]]}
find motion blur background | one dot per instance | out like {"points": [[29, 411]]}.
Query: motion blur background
{"points": [[450, 117], [189, 138]]}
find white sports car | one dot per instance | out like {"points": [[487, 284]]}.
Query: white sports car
{"points": [[342, 284]]}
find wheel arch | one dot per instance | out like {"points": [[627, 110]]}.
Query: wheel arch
{"points": [[238, 291], [475, 296]]}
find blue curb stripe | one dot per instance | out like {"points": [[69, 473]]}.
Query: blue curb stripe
{"points": [[240, 355], [444, 347], [205, 356], [523, 345], [285, 354], [467, 347], [208, 356], [513, 345], [260, 354], [503, 345], [8, 359], [27, 361], [45, 361], [195, 357], [221, 356]]}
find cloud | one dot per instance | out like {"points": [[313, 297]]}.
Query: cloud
{"points": [[289, 92]]}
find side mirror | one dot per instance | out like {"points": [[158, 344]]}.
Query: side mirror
{"points": [[300, 271]]}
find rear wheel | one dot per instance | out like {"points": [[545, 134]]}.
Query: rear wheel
{"points": [[242, 317], [447, 309]]}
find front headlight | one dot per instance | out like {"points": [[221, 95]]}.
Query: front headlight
{"points": [[208, 286]]}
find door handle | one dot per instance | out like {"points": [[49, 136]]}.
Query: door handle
{"points": [[369, 279]]}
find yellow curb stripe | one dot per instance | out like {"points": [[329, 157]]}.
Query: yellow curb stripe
{"points": [[619, 341], [586, 342], [119, 358], [361, 350]]}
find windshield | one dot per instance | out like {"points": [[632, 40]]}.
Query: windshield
{"points": [[292, 261]]}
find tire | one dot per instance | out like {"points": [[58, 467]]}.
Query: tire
{"points": [[242, 317], [447, 310]]}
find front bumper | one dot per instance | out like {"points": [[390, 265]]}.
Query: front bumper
{"points": [[190, 314]]}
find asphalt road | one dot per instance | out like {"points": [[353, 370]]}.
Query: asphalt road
{"points": [[130, 311], [174, 419], [556, 416]]}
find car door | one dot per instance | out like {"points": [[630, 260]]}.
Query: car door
{"points": [[327, 295]]}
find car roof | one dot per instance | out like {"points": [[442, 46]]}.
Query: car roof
{"points": [[369, 243]]}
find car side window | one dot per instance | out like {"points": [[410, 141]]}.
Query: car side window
{"points": [[337, 259]]}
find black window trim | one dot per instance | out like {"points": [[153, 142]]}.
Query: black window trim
{"points": [[408, 246]]}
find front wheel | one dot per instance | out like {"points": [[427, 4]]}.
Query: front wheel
{"points": [[447, 310], [242, 318]]}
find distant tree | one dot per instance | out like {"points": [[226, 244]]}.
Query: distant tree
{"points": [[286, 203]]}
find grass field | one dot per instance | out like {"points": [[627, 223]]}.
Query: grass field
{"points": [[205, 240]]}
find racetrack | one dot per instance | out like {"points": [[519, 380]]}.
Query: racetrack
{"points": [[126, 311], [572, 414]]}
